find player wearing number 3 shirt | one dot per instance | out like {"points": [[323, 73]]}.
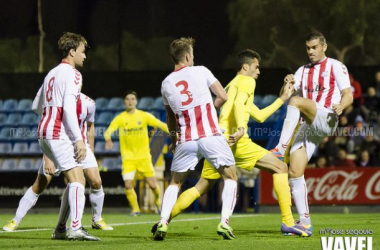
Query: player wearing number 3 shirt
{"points": [[191, 112], [59, 134]]}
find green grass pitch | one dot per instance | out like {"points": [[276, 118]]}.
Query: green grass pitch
{"points": [[187, 231]]}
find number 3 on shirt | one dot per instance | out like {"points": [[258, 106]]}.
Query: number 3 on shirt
{"points": [[184, 91], [49, 92]]}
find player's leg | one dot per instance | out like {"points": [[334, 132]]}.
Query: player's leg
{"points": [[128, 173], [168, 202], [190, 195], [297, 107], [146, 169], [298, 162], [279, 172], [96, 197], [92, 175], [186, 157], [216, 150], [30, 197]]}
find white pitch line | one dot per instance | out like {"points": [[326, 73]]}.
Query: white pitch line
{"points": [[135, 223]]}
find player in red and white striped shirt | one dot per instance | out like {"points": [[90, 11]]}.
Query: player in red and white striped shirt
{"points": [[325, 91], [86, 116], [191, 110], [58, 131]]}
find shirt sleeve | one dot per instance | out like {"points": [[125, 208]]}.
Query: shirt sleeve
{"points": [[73, 80], [298, 79], [210, 78], [156, 123], [112, 127], [260, 115], [38, 102], [163, 93], [341, 75]]}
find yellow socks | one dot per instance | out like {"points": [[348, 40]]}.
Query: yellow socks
{"points": [[132, 198], [156, 193], [282, 189], [184, 201]]}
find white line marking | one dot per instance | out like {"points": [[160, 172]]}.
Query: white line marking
{"points": [[136, 223]]}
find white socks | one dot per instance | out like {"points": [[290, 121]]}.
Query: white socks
{"points": [[96, 200], [26, 203], [228, 199], [299, 192], [76, 201], [290, 124], [64, 211], [170, 198]]}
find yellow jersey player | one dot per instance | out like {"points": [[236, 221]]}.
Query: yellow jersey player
{"points": [[134, 148], [233, 120]]}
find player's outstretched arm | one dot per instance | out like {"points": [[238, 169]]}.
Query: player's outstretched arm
{"points": [[221, 95]]}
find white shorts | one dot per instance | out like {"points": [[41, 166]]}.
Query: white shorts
{"points": [[88, 162], [61, 152], [214, 149], [324, 125]]}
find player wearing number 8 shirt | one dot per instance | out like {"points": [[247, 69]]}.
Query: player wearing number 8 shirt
{"points": [[190, 109], [59, 134]]}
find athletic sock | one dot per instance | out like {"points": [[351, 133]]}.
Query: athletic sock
{"points": [[96, 200], [184, 201], [299, 191]]}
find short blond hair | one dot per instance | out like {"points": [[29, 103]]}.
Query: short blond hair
{"points": [[179, 48]]}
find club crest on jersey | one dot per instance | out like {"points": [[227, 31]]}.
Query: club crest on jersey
{"points": [[139, 122]]}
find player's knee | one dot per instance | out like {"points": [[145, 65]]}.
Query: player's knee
{"points": [[128, 185], [295, 101], [282, 168], [96, 184], [295, 173]]}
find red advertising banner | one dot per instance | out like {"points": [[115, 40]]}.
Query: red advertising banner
{"points": [[332, 186]]}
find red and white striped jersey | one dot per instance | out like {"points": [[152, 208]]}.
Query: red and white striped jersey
{"points": [[60, 81], [86, 113], [322, 82], [187, 93]]}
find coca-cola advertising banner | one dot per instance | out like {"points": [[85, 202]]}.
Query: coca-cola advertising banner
{"points": [[332, 186]]}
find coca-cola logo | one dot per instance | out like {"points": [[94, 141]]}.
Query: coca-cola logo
{"points": [[372, 190], [330, 186], [343, 186]]}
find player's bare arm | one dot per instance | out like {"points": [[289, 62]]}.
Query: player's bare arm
{"points": [[49, 166], [346, 101], [91, 135], [172, 126], [221, 95]]}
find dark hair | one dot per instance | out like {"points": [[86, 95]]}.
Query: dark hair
{"points": [[130, 92], [246, 57], [70, 41], [316, 35], [179, 47]]}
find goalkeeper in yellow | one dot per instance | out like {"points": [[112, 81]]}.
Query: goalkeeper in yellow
{"points": [[233, 120], [134, 148]]}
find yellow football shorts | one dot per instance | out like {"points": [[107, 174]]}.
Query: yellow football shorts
{"points": [[143, 167], [246, 154]]}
